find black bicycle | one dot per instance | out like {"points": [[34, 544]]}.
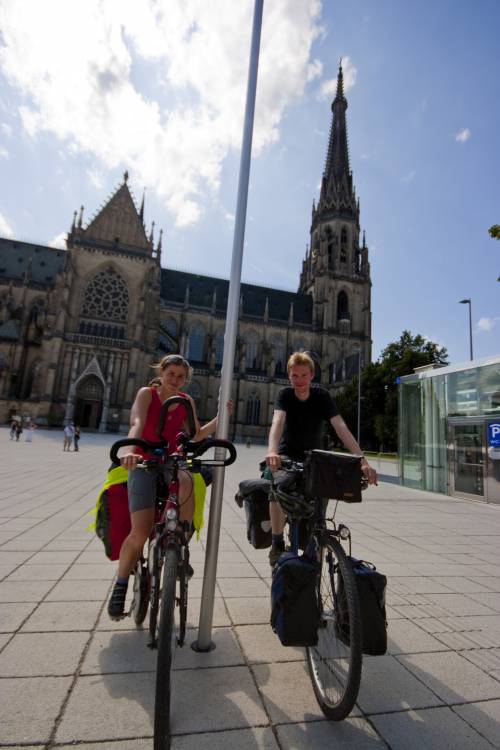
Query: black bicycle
{"points": [[167, 553], [335, 663]]}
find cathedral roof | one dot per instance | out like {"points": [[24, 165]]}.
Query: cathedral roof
{"points": [[40, 263], [202, 288]]}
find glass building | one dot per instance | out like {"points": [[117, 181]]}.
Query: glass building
{"points": [[449, 429]]}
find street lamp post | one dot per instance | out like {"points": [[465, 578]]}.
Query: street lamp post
{"points": [[469, 302]]}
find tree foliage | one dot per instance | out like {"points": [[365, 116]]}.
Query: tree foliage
{"points": [[379, 393], [495, 231]]}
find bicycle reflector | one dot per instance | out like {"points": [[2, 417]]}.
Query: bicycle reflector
{"points": [[344, 532]]}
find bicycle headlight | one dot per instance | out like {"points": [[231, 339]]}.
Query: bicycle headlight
{"points": [[344, 532], [171, 513]]}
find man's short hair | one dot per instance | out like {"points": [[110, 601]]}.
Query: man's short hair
{"points": [[300, 358]]}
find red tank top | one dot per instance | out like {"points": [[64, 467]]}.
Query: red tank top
{"points": [[173, 424]]}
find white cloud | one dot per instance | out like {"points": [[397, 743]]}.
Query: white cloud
{"points": [[6, 129], [328, 88], [229, 217], [96, 178], [5, 228], [463, 135], [486, 324], [4, 154], [59, 241], [175, 138]]}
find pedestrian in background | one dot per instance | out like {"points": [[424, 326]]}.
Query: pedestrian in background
{"points": [[69, 432], [13, 426], [19, 430], [30, 428], [76, 438]]}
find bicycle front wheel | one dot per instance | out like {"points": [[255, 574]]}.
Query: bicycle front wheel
{"points": [[166, 643], [335, 662]]}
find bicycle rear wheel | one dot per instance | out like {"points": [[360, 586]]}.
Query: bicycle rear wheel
{"points": [[167, 638], [335, 662]]}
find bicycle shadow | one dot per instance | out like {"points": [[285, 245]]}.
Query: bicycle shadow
{"points": [[205, 700]]}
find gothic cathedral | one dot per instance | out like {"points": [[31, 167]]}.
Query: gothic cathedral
{"points": [[80, 328]]}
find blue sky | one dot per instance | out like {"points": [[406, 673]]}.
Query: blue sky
{"points": [[159, 90]]}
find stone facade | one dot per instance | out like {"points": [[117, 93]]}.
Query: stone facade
{"points": [[79, 328]]}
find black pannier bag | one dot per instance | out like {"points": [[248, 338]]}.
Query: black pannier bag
{"points": [[371, 592], [294, 600], [337, 476], [253, 495]]}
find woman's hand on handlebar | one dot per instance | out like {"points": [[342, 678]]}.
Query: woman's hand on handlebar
{"points": [[130, 460], [273, 460]]}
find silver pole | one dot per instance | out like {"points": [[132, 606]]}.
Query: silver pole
{"points": [[470, 329], [204, 642]]}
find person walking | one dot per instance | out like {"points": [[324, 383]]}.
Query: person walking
{"points": [[13, 426], [19, 431], [30, 428], [76, 438], [69, 432]]}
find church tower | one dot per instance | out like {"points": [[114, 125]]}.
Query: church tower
{"points": [[336, 271]]}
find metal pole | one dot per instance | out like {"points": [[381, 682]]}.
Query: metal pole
{"points": [[470, 329], [359, 394], [204, 642]]}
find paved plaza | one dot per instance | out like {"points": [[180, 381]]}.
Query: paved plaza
{"points": [[71, 677]]}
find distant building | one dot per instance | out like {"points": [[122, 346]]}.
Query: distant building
{"points": [[79, 328]]}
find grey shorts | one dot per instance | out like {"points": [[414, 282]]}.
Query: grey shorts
{"points": [[141, 486]]}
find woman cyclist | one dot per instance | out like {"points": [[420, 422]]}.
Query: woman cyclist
{"points": [[173, 374]]}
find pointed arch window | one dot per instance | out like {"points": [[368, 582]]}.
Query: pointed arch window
{"points": [[253, 409], [196, 343], [170, 326], [252, 343], [219, 347], [106, 297], [279, 354], [342, 306], [343, 245], [195, 391]]}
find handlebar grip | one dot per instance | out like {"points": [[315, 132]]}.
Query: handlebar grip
{"points": [[204, 445], [113, 453], [189, 411]]}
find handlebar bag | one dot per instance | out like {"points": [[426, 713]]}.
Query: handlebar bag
{"points": [[294, 600], [253, 496], [371, 587], [336, 476], [112, 523]]}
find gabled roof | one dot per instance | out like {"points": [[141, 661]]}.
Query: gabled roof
{"points": [[42, 263], [202, 288], [117, 223]]}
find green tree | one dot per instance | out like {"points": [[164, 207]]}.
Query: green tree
{"points": [[495, 231], [379, 405]]}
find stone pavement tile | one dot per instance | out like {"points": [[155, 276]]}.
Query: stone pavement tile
{"points": [[13, 558], [243, 739], [392, 614], [81, 591], [287, 692], [144, 744], [105, 572], [492, 583], [5, 570], [226, 654], [121, 705], [12, 615], [487, 659], [41, 654], [446, 569], [405, 586], [62, 544], [253, 611], [243, 587], [394, 569], [112, 652], [484, 717], [260, 644], [387, 686], [235, 570], [350, 734], [27, 572], [63, 616], [25, 543], [405, 637], [488, 599], [220, 616], [458, 604], [55, 556], [24, 591], [452, 677], [92, 557], [38, 699], [432, 729], [460, 585], [489, 623]]}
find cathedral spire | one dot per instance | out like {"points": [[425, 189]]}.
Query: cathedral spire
{"points": [[141, 210]]}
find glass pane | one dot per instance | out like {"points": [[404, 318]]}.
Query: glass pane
{"points": [[410, 435], [468, 446], [489, 389], [463, 397]]}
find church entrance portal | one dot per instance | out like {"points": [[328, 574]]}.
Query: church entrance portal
{"points": [[88, 405]]}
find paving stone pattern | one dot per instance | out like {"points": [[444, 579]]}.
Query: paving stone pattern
{"points": [[71, 677]]}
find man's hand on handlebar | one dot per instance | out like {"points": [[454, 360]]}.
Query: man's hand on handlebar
{"points": [[369, 472], [273, 460]]}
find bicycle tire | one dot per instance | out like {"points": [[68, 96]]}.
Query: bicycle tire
{"points": [[154, 567], [140, 600], [335, 663], [166, 634], [183, 595]]}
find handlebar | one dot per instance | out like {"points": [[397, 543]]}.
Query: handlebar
{"points": [[189, 411], [193, 450]]}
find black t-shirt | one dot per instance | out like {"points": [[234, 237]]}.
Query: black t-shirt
{"points": [[304, 420]]}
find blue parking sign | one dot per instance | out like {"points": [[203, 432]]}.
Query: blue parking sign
{"points": [[494, 434]]}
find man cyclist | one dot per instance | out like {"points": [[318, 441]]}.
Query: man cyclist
{"points": [[298, 419]]}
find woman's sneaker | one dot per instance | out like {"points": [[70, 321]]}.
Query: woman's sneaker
{"points": [[116, 604]]}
